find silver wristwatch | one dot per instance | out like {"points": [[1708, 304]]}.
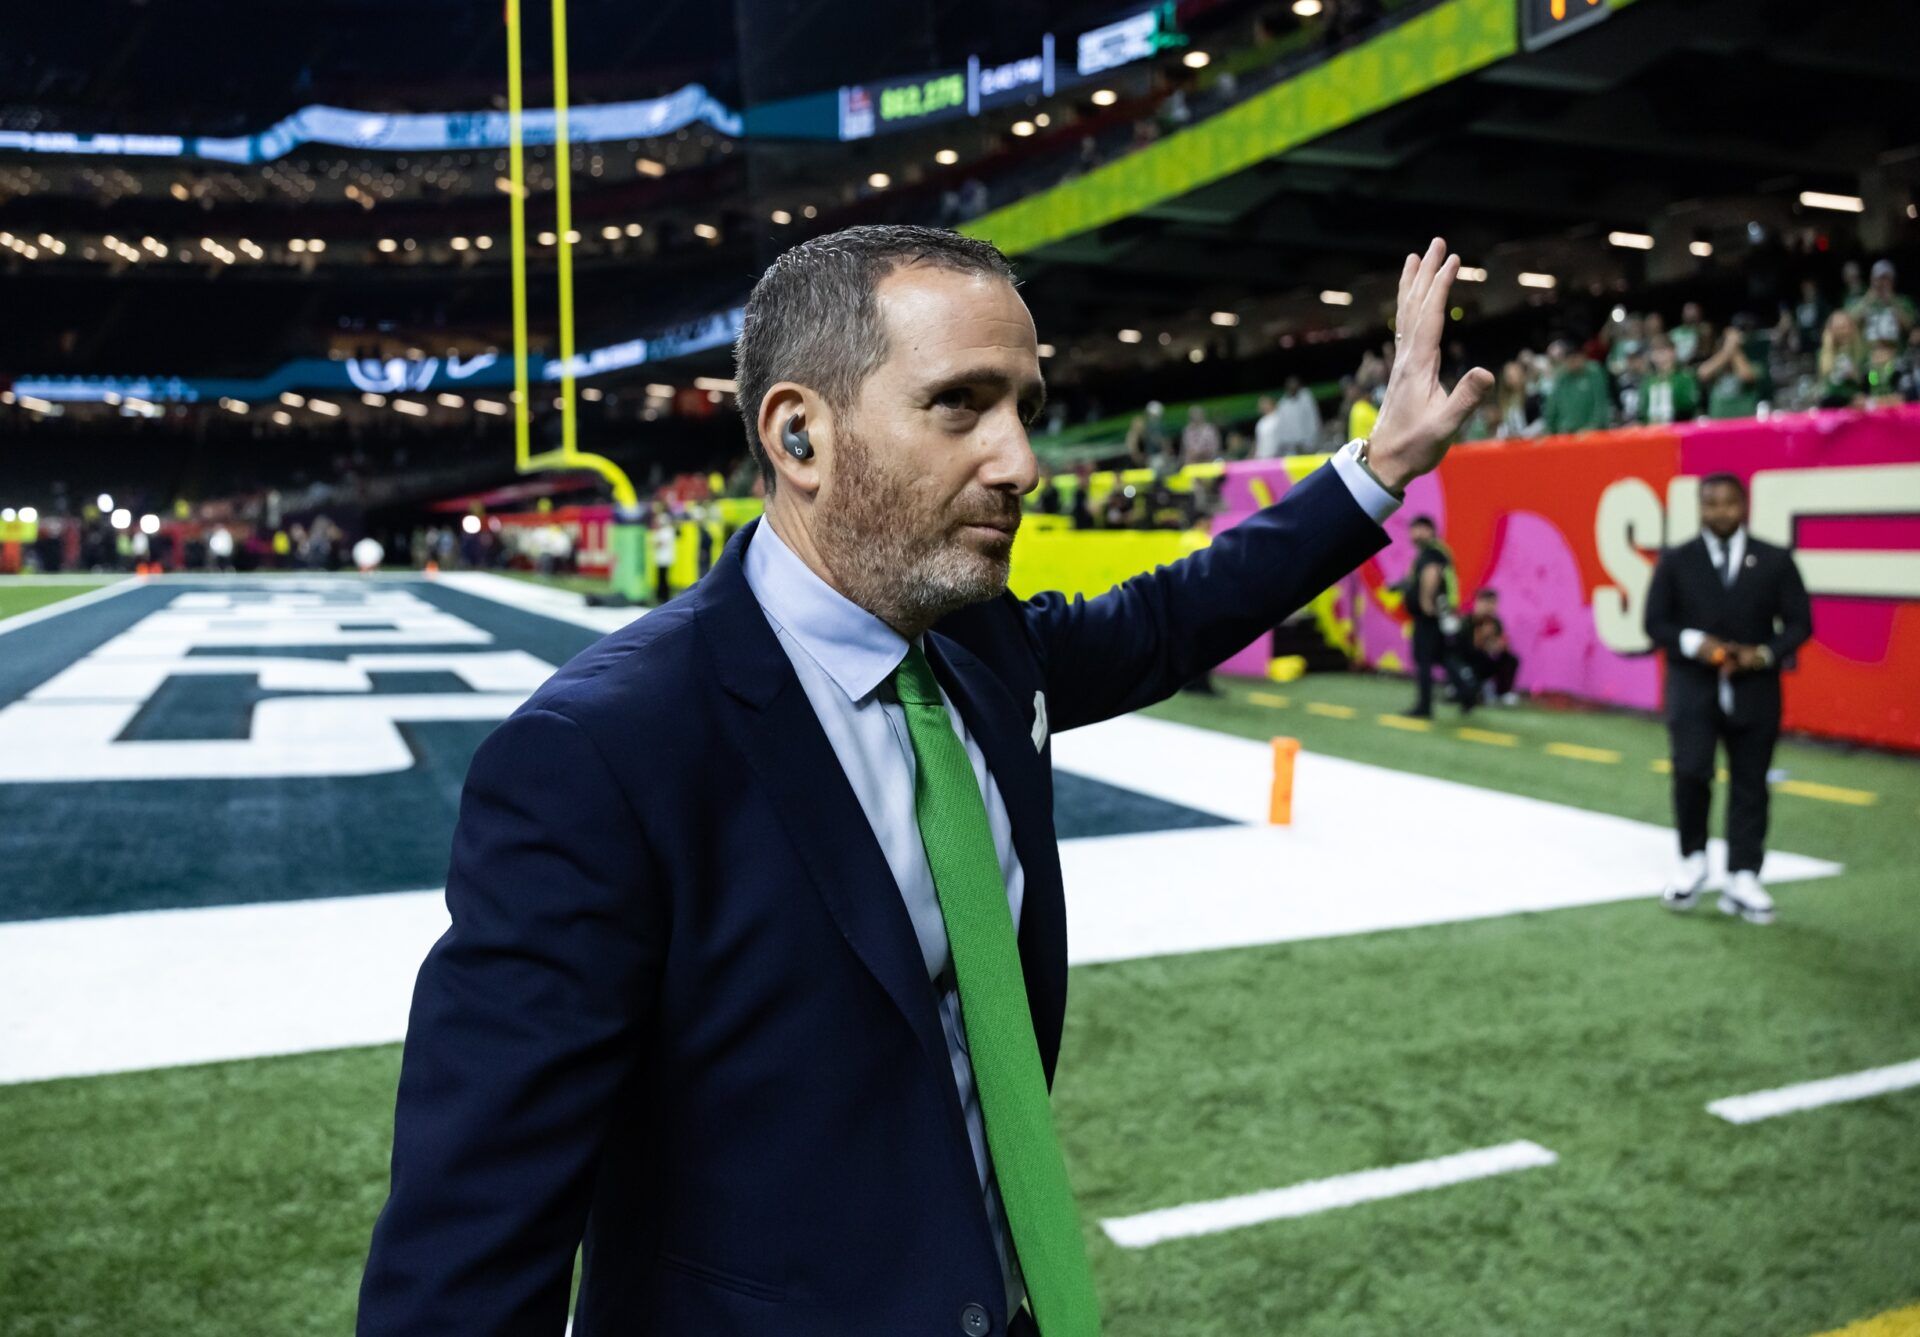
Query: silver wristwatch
{"points": [[1360, 448]]}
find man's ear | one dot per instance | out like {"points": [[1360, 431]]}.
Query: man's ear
{"points": [[789, 405]]}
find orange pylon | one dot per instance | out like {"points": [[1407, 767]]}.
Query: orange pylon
{"points": [[1280, 807]]}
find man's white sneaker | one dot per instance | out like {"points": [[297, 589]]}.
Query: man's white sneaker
{"points": [[1745, 897], [1683, 888]]}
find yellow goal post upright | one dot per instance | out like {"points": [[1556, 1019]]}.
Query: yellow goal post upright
{"points": [[628, 531]]}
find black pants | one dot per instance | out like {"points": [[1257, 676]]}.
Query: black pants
{"points": [[1499, 669], [1695, 736], [1429, 648], [663, 583]]}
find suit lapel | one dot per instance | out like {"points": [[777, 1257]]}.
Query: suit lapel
{"points": [[1026, 785], [792, 758]]}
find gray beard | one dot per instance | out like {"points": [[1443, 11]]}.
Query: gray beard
{"points": [[895, 562]]}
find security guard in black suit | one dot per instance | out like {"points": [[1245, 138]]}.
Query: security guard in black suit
{"points": [[1729, 610]]}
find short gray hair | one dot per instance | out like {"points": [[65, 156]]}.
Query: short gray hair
{"points": [[813, 318]]}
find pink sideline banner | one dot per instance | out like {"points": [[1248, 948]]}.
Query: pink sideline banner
{"points": [[1567, 529]]}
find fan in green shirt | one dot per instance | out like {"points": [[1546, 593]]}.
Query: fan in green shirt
{"points": [[1669, 393], [1883, 315], [1579, 400], [1732, 379]]}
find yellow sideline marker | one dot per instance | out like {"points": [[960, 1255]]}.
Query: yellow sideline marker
{"points": [[1605, 756], [1272, 700], [1493, 737], [1894, 1323], [1404, 722], [1331, 711], [1280, 804], [1859, 798]]}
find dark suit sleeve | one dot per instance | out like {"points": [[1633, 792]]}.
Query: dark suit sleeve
{"points": [[1140, 642], [523, 1027], [1663, 607], [1795, 612]]}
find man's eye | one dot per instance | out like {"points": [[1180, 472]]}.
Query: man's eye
{"points": [[955, 400]]}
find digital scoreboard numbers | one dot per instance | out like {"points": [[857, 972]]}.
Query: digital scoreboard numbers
{"points": [[923, 98], [1543, 22]]}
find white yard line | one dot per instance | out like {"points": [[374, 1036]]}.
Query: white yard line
{"points": [[1812, 1095], [1322, 1195], [565, 605], [120, 585]]}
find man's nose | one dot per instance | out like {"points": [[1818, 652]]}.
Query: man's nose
{"points": [[1011, 466]]}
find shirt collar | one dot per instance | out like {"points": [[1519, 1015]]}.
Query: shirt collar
{"points": [[857, 650]]}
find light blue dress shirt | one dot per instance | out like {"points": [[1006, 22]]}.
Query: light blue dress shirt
{"points": [[842, 654]]}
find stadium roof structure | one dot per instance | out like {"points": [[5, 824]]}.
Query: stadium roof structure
{"points": [[1682, 120]]}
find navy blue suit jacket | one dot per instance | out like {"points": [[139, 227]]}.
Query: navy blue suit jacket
{"points": [[681, 1013]]}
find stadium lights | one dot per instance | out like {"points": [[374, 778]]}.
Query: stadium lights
{"points": [[593, 394], [410, 408], [1104, 97], [648, 167], [658, 391], [233, 405], [635, 230], [1043, 350], [879, 180], [153, 244], [946, 157], [149, 523], [1306, 9], [1703, 249], [387, 245], [33, 404], [573, 237], [29, 515], [1042, 120], [315, 245], [1128, 336], [282, 418], [1471, 274], [611, 232], [459, 243], [719, 383], [1196, 60], [470, 524], [1630, 241], [1334, 297], [490, 406], [548, 238], [298, 245], [781, 217], [449, 401], [7, 514], [291, 400], [323, 407], [483, 243], [104, 501], [1164, 338], [1197, 355], [706, 231], [1228, 318], [1530, 280], [121, 518], [1840, 204], [809, 212], [373, 401], [1022, 128]]}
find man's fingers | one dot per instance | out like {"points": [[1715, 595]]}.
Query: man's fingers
{"points": [[1432, 315], [1466, 397], [1423, 277], [1402, 307]]}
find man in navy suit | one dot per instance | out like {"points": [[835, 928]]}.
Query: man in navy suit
{"points": [[758, 959]]}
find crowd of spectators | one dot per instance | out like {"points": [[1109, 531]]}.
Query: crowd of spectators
{"points": [[1855, 348]]}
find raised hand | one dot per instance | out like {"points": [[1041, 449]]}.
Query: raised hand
{"points": [[1418, 417]]}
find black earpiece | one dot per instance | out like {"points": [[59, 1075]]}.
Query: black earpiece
{"points": [[794, 438]]}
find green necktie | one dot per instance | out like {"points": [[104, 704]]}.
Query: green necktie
{"points": [[993, 1006]]}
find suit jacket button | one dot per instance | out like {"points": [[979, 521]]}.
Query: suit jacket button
{"points": [[975, 1321]]}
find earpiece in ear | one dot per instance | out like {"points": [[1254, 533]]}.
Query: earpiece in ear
{"points": [[794, 438]]}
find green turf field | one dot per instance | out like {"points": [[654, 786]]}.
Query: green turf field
{"points": [[21, 597], [236, 1198]]}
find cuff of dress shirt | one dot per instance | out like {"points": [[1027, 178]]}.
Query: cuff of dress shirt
{"points": [[1374, 499], [1690, 641]]}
